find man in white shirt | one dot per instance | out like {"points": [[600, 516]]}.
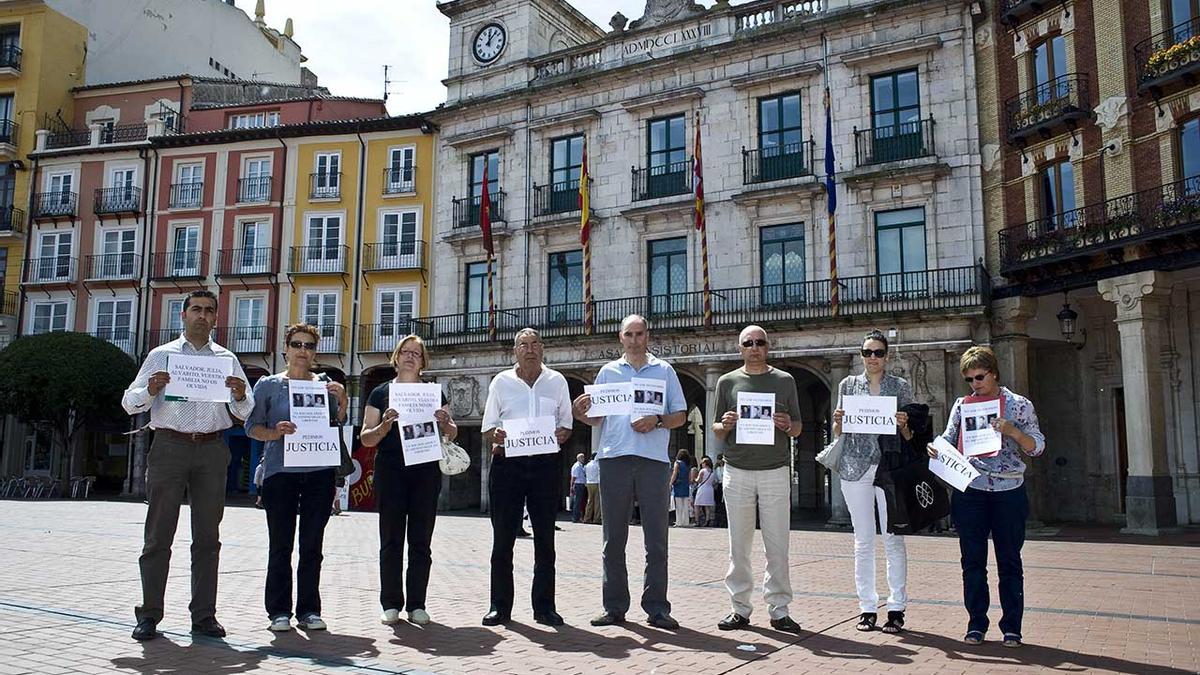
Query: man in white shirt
{"points": [[188, 452], [527, 390], [579, 493], [591, 514]]}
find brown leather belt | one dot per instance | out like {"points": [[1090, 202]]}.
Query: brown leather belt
{"points": [[190, 437]]}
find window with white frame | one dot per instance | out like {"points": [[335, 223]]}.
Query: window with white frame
{"points": [[185, 256], [400, 234], [49, 316], [327, 178], [401, 170], [254, 256], [255, 120], [394, 308], [189, 186], [321, 310], [60, 199], [116, 259], [114, 322], [256, 181], [323, 244], [174, 319], [54, 256], [249, 331]]}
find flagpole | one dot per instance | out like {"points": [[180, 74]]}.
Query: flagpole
{"points": [[830, 188], [702, 226], [586, 239], [485, 229]]}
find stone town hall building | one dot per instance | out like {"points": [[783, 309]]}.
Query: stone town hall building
{"points": [[530, 80]]}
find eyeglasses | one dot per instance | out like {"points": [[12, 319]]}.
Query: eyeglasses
{"points": [[877, 353], [525, 346], [297, 344], [411, 352], [977, 378], [754, 343]]}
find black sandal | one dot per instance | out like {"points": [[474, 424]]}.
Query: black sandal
{"points": [[895, 622], [866, 621]]}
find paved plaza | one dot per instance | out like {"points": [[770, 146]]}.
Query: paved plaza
{"points": [[1096, 602]]}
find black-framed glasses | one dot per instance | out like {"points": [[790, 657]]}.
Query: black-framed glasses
{"points": [[977, 378], [877, 353], [758, 342], [297, 344]]}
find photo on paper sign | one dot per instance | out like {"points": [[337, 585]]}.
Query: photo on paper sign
{"points": [[656, 397], [639, 396], [417, 430], [972, 423], [306, 400]]}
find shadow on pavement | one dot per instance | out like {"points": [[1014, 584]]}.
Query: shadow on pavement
{"points": [[329, 648], [162, 656], [438, 640], [992, 653], [572, 639]]}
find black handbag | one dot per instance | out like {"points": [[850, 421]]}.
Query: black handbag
{"points": [[915, 498], [347, 465]]}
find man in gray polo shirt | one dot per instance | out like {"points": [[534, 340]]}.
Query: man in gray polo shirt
{"points": [[758, 474]]}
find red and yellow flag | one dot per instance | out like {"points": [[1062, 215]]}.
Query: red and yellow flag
{"points": [[698, 170]]}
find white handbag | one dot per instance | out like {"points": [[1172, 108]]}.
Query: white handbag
{"points": [[831, 456], [455, 459]]}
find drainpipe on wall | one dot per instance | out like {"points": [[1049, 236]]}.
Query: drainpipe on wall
{"points": [[137, 442], [356, 298], [528, 194], [279, 239], [28, 246]]}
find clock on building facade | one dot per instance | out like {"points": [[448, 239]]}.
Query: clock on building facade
{"points": [[489, 43]]}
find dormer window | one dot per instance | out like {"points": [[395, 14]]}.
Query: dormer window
{"points": [[256, 120]]}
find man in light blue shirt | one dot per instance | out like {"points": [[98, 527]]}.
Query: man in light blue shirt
{"points": [[634, 463]]}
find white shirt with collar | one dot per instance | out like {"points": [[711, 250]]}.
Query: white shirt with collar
{"points": [[189, 417], [510, 398]]}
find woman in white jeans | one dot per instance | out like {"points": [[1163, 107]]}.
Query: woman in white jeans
{"points": [[859, 461]]}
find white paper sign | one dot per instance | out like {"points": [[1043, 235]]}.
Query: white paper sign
{"points": [[755, 425], [315, 442], [420, 441], [529, 436], [978, 436], [198, 378], [869, 415], [610, 399], [951, 466], [649, 397], [414, 402]]}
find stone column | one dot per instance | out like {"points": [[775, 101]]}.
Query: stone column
{"points": [[1142, 306], [1010, 340], [839, 516]]}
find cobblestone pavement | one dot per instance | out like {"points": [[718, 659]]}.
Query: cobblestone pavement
{"points": [[69, 580]]}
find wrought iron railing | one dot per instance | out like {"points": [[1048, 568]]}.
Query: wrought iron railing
{"points": [[114, 266], [50, 270], [255, 190], [325, 185], [10, 57], [466, 210], [1013, 12], [901, 293], [1173, 53], [12, 220], [332, 339], [68, 138], [10, 132], [399, 180], [245, 339], [1166, 210], [8, 303], [394, 255], [117, 200], [777, 162], [244, 262], [556, 198], [1064, 98], [187, 195], [55, 205], [121, 339], [382, 338], [320, 259], [123, 133], [159, 336], [182, 264], [664, 180], [893, 143]]}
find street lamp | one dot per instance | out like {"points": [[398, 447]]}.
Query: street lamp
{"points": [[1066, 323]]}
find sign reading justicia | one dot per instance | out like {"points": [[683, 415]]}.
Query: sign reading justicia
{"points": [[673, 38]]}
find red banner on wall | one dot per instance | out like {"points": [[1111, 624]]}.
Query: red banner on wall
{"points": [[362, 481]]}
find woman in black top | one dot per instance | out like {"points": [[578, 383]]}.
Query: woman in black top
{"points": [[406, 496]]}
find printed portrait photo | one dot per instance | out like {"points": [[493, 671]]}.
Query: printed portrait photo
{"points": [[744, 413], [639, 396], [971, 423], [410, 431], [656, 397], [297, 400]]}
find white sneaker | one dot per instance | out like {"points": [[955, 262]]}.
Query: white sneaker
{"points": [[280, 624], [419, 617], [390, 617], [311, 622]]}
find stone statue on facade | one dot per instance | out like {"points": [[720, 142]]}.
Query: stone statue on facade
{"points": [[665, 11]]}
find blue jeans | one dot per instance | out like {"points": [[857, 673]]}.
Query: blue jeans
{"points": [[976, 514], [579, 495]]}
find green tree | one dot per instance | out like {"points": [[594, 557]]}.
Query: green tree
{"points": [[65, 380]]}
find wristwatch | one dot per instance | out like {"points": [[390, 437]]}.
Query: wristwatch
{"points": [[658, 424]]}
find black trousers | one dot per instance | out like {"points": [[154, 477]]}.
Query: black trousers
{"points": [[407, 498], [514, 484], [286, 496]]}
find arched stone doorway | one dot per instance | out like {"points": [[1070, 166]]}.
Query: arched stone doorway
{"points": [[811, 492], [692, 435]]}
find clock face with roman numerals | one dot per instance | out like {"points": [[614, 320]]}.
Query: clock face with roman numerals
{"points": [[489, 42]]}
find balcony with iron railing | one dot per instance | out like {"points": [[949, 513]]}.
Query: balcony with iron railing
{"points": [[331, 339], [1013, 12], [466, 210], [778, 162], [1167, 216], [121, 339], [123, 133], [68, 138], [10, 134], [382, 338], [10, 59], [159, 336], [182, 264], [664, 180], [556, 198], [54, 205], [59, 269], [400, 180], [954, 289], [245, 339], [246, 262], [12, 220], [1169, 60], [256, 190], [325, 185], [8, 303], [1048, 109], [186, 195], [113, 266], [319, 259], [117, 200], [893, 143], [394, 255]]}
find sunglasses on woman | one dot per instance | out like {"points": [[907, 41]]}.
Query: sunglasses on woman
{"points": [[877, 353], [297, 344], [977, 378]]}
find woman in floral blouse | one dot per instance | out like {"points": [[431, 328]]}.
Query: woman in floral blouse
{"points": [[995, 503], [860, 459]]}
